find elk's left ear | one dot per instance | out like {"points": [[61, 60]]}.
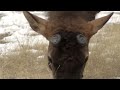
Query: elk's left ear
{"points": [[37, 24], [99, 23]]}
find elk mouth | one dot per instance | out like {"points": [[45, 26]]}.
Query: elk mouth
{"points": [[68, 76], [68, 70]]}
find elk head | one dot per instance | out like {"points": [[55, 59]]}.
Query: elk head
{"points": [[68, 42]]}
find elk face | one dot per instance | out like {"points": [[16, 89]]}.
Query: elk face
{"points": [[68, 54], [68, 47]]}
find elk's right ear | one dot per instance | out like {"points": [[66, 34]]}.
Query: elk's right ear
{"points": [[37, 24], [99, 23]]}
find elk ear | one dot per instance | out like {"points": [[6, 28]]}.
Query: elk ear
{"points": [[99, 23], [37, 24]]}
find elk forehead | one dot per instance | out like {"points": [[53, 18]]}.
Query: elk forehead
{"points": [[69, 26]]}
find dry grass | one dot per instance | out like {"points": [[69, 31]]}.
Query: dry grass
{"points": [[26, 64], [103, 62]]}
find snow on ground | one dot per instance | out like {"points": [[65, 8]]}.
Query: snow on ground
{"points": [[15, 26], [15, 30]]}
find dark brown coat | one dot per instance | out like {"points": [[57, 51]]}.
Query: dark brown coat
{"points": [[68, 33]]}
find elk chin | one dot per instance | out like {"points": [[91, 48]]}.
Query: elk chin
{"points": [[68, 76], [71, 70]]}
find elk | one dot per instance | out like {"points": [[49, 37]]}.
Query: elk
{"points": [[68, 33]]}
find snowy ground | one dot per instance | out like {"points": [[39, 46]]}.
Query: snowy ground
{"points": [[14, 30]]}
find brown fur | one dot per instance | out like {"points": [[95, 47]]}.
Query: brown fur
{"points": [[68, 57], [70, 20], [86, 15]]}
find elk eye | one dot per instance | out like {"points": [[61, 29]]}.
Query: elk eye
{"points": [[55, 39], [81, 39]]}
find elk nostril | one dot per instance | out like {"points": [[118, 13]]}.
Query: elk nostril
{"points": [[49, 59], [86, 59], [50, 63]]}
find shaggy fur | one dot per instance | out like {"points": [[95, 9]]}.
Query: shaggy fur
{"points": [[68, 57], [69, 20], [69, 54], [86, 15]]}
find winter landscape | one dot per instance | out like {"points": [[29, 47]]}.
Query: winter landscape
{"points": [[23, 52]]}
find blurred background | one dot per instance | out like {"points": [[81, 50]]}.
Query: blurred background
{"points": [[23, 51]]}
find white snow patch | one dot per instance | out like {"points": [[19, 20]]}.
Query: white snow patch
{"points": [[116, 77], [33, 51], [39, 57], [15, 24]]}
